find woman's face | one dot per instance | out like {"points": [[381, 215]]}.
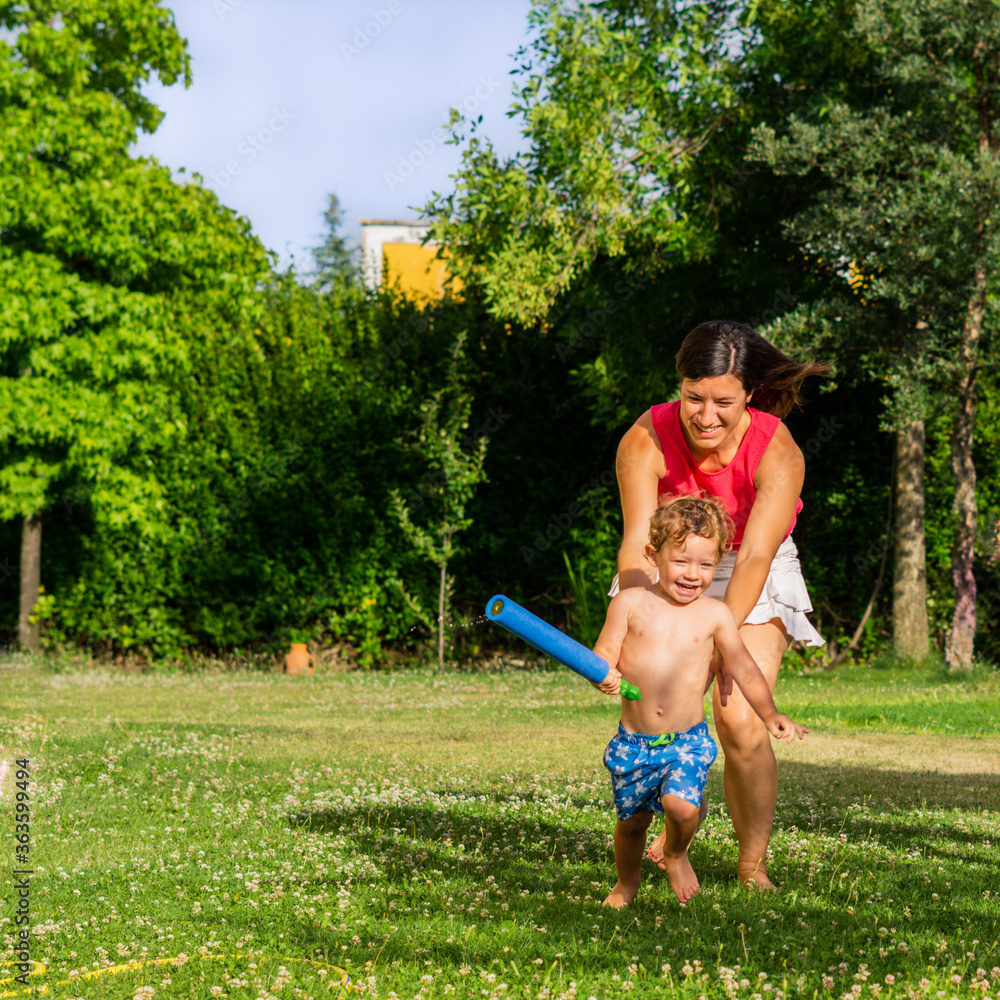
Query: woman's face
{"points": [[711, 410]]}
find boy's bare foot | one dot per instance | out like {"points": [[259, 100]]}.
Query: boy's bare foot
{"points": [[683, 880], [753, 875], [655, 851], [620, 896]]}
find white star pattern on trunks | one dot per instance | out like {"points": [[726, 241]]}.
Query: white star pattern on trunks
{"points": [[642, 774]]}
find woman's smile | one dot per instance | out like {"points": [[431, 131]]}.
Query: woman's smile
{"points": [[711, 409]]}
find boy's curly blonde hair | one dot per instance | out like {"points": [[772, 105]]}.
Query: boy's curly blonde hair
{"points": [[680, 516]]}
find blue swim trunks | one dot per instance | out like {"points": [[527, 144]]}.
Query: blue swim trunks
{"points": [[645, 768]]}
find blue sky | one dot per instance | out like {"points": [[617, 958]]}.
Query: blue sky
{"points": [[292, 100]]}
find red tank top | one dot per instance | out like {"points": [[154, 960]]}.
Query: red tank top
{"points": [[733, 485]]}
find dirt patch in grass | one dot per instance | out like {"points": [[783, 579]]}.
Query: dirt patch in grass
{"points": [[900, 752]]}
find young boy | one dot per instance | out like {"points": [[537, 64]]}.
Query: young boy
{"points": [[661, 638]]}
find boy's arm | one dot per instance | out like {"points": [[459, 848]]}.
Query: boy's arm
{"points": [[609, 642], [748, 676]]}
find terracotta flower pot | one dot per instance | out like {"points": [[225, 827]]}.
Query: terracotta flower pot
{"points": [[298, 661]]}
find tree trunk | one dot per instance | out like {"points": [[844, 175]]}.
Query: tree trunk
{"points": [[31, 580], [910, 634], [958, 646], [441, 596]]}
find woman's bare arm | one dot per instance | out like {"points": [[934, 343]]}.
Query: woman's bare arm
{"points": [[778, 479], [639, 466]]}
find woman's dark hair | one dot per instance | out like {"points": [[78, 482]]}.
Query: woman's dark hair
{"points": [[721, 347]]}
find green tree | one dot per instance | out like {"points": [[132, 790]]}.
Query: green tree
{"points": [[632, 217], [616, 101], [909, 215], [453, 471], [335, 260], [99, 255]]}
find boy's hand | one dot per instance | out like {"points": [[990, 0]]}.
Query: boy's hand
{"points": [[782, 728], [717, 669], [611, 684]]}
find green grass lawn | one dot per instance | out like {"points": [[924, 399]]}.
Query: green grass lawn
{"points": [[421, 834]]}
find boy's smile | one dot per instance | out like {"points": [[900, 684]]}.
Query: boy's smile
{"points": [[686, 570]]}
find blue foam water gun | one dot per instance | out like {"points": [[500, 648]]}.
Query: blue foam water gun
{"points": [[554, 643]]}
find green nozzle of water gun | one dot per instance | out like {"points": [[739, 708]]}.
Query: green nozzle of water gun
{"points": [[630, 691]]}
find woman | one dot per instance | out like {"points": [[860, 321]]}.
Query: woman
{"points": [[712, 440]]}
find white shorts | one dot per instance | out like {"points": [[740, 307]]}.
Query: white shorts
{"points": [[784, 595]]}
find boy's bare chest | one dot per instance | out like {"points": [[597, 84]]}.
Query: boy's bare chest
{"points": [[672, 629]]}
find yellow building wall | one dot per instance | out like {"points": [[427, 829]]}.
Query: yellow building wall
{"points": [[415, 269]]}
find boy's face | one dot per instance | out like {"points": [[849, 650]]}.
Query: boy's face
{"points": [[686, 570]]}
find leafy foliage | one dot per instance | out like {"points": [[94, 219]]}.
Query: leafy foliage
{"points": [[453, 473], [216, 445], [81, 335], [616, 104], [910, 217]]}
